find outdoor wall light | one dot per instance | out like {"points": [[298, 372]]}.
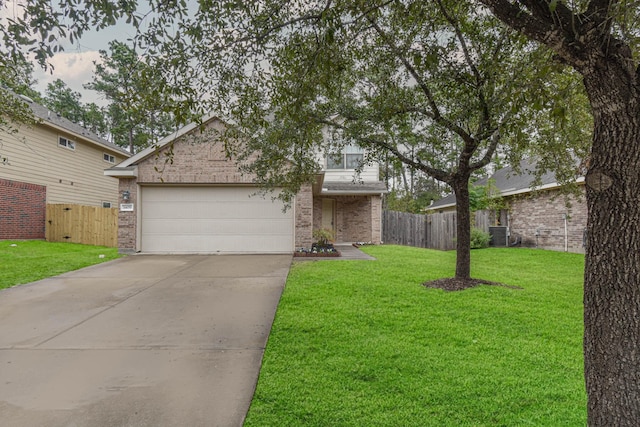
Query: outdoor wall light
{"points": [[125, 195]]}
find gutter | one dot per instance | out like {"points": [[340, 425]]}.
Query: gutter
{"points": [[352, 193], [122, 172]]}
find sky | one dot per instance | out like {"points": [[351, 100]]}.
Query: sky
{"points": [[75, 64]]}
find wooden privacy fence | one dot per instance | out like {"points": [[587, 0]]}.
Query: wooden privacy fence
{"points": [[90, 225], [434, 231]]}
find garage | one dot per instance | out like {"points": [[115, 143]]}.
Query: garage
{"points": [[212, 219]]}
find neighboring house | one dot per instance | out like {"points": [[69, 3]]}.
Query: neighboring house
{"points": [[52, 161], [535, 215], [200, 202]]}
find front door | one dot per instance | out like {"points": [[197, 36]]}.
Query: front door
{"points": [[328, 214]]}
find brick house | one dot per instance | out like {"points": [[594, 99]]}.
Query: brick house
{"points": [[200, 202], [534, 216], [51, 161]]}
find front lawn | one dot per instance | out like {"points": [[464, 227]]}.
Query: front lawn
{"points": [[24, 261], [362, 343]]}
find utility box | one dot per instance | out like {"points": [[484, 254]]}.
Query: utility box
{"points": [[499, 236]]}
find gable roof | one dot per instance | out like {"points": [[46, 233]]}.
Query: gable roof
{"points": [[509, 183], [142, 155], [54, 120]]}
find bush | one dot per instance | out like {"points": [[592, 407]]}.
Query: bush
{"points": [[479, 239], [323, 237]]}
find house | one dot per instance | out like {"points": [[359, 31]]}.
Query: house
{"points": [[200, 202], [52, 161], [535, 214]]}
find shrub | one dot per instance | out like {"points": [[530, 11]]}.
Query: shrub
{"points": [[479, 239], [323, 237]]}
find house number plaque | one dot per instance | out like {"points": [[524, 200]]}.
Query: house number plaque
{"points": [[126, 207]]}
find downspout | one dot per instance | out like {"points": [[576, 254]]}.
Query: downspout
{"points": [[566, 235]]}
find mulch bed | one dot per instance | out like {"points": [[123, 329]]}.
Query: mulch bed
{"points": [[316, 254], [452, 284]]}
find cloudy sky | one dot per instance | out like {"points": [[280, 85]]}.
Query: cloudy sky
{"points": [[75, 64]]}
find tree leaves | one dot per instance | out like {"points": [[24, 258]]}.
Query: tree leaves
{"points": [[138, 115]]}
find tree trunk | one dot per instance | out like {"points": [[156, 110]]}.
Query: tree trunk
{"points": [[131, 140], [463, 228], [612, 268]]}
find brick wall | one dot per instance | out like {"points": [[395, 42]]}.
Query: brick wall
{"points": [[195, 159], [317, 213], [353, 219], [542, 214], [304, 211], [22, 210], [358, 218], [127, 221], [376, 219]]}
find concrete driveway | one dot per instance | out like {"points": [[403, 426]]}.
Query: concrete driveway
{"points": [[173, 340]]}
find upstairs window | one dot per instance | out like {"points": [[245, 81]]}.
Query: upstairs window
{"points": [[66, 143], [108, 158], [352, 157]]}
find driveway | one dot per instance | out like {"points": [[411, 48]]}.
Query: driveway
{"points": [[171, 340]]}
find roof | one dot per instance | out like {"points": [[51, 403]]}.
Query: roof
{"points": [[140, 156], [509, 183], [350, 188], [51, 118]]}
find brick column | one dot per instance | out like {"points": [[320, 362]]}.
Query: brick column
{"points": [[376, 219], [304, 217], [127, 221]]}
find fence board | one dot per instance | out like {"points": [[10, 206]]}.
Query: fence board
{"points": [[434, 231], [90, 225]]}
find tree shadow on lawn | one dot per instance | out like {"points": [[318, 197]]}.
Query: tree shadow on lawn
{"points": [[452, 284]]}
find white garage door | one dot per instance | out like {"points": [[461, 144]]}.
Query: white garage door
{"points": [[213, 219]]}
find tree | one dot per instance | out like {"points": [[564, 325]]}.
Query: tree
{"points": [[63, 100], [95, 119], [599, 39], [16, 78], [409, 190], [137, 119]]}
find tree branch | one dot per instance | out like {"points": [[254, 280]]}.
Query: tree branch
{"points": [[485, 121], [438, 174], [557, 32], [488, 155], [436, 114]]}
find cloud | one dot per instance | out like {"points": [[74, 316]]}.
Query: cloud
{"points": [[73, 68]]}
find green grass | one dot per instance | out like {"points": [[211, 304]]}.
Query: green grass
{"points": [[31, 260], [358, 343]]}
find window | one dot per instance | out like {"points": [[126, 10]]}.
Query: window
{"points": [[67, 143], [106, 204], [108, 158], [351, 157]]}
